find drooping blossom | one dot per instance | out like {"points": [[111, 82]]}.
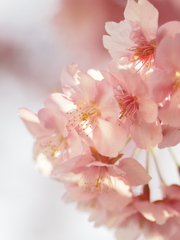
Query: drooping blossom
{"points": [[138, 110], [97, 169], [91, 108], [167, 81], [54, 142], [147, 219], [102, 204], [143, 221], [136, 39]]}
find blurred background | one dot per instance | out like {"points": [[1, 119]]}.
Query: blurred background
{"points": [[38, 39]]}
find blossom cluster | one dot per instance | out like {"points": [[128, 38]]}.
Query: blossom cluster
{"points": [[87, 136]]}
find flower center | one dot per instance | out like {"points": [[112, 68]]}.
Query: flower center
{"points": [[128, 104], [177, 81], [83, 117], [144, 53], [52, 147], [98, 179]]}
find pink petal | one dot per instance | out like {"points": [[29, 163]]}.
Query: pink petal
{"points": [[51, 119], [154, 212], [116, 199], [146, 134], [59, 102], [113, 170], [75, 146], [168, 29], [106, 102], [170, 113], [78, 85], [160, 85], [130, 82], [109, 138], [75, 165], [32, 123], [130, 230], [119, 41], [127, 213], [145, 14], [167, 54], [78, 193], [136, 174], [148, 110], [171, 137]]}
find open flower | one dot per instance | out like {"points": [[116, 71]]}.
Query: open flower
{"points": [[54, 142], [167, 81], [91, 108], [98, 170], [137, 37], [138, 110], [153, 220]]}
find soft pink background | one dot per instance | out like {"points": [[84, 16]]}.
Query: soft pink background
{"points": [[30, 205], [32, 55]]}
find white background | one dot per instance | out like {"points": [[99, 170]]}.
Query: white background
{"points": [[30, 205]]}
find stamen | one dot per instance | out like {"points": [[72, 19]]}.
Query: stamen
{"points": [[83, 117], [99, 183], [97, 178], [53, 147], [144, 54], [128, 104]]}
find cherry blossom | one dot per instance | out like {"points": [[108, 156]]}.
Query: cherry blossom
{"points": [[91, 107], [137, 37], [112, 135], [138, 110], [97, 169], [166, 81], [53, 141]]}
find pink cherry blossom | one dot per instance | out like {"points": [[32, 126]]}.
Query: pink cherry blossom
{"points": [[158, 212], [169, 81], [91, 107], [137, 33], [103, 135], [102, 204], [148, 219], [53, 141], [138, 110], [138, 36], [98, 169]]}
